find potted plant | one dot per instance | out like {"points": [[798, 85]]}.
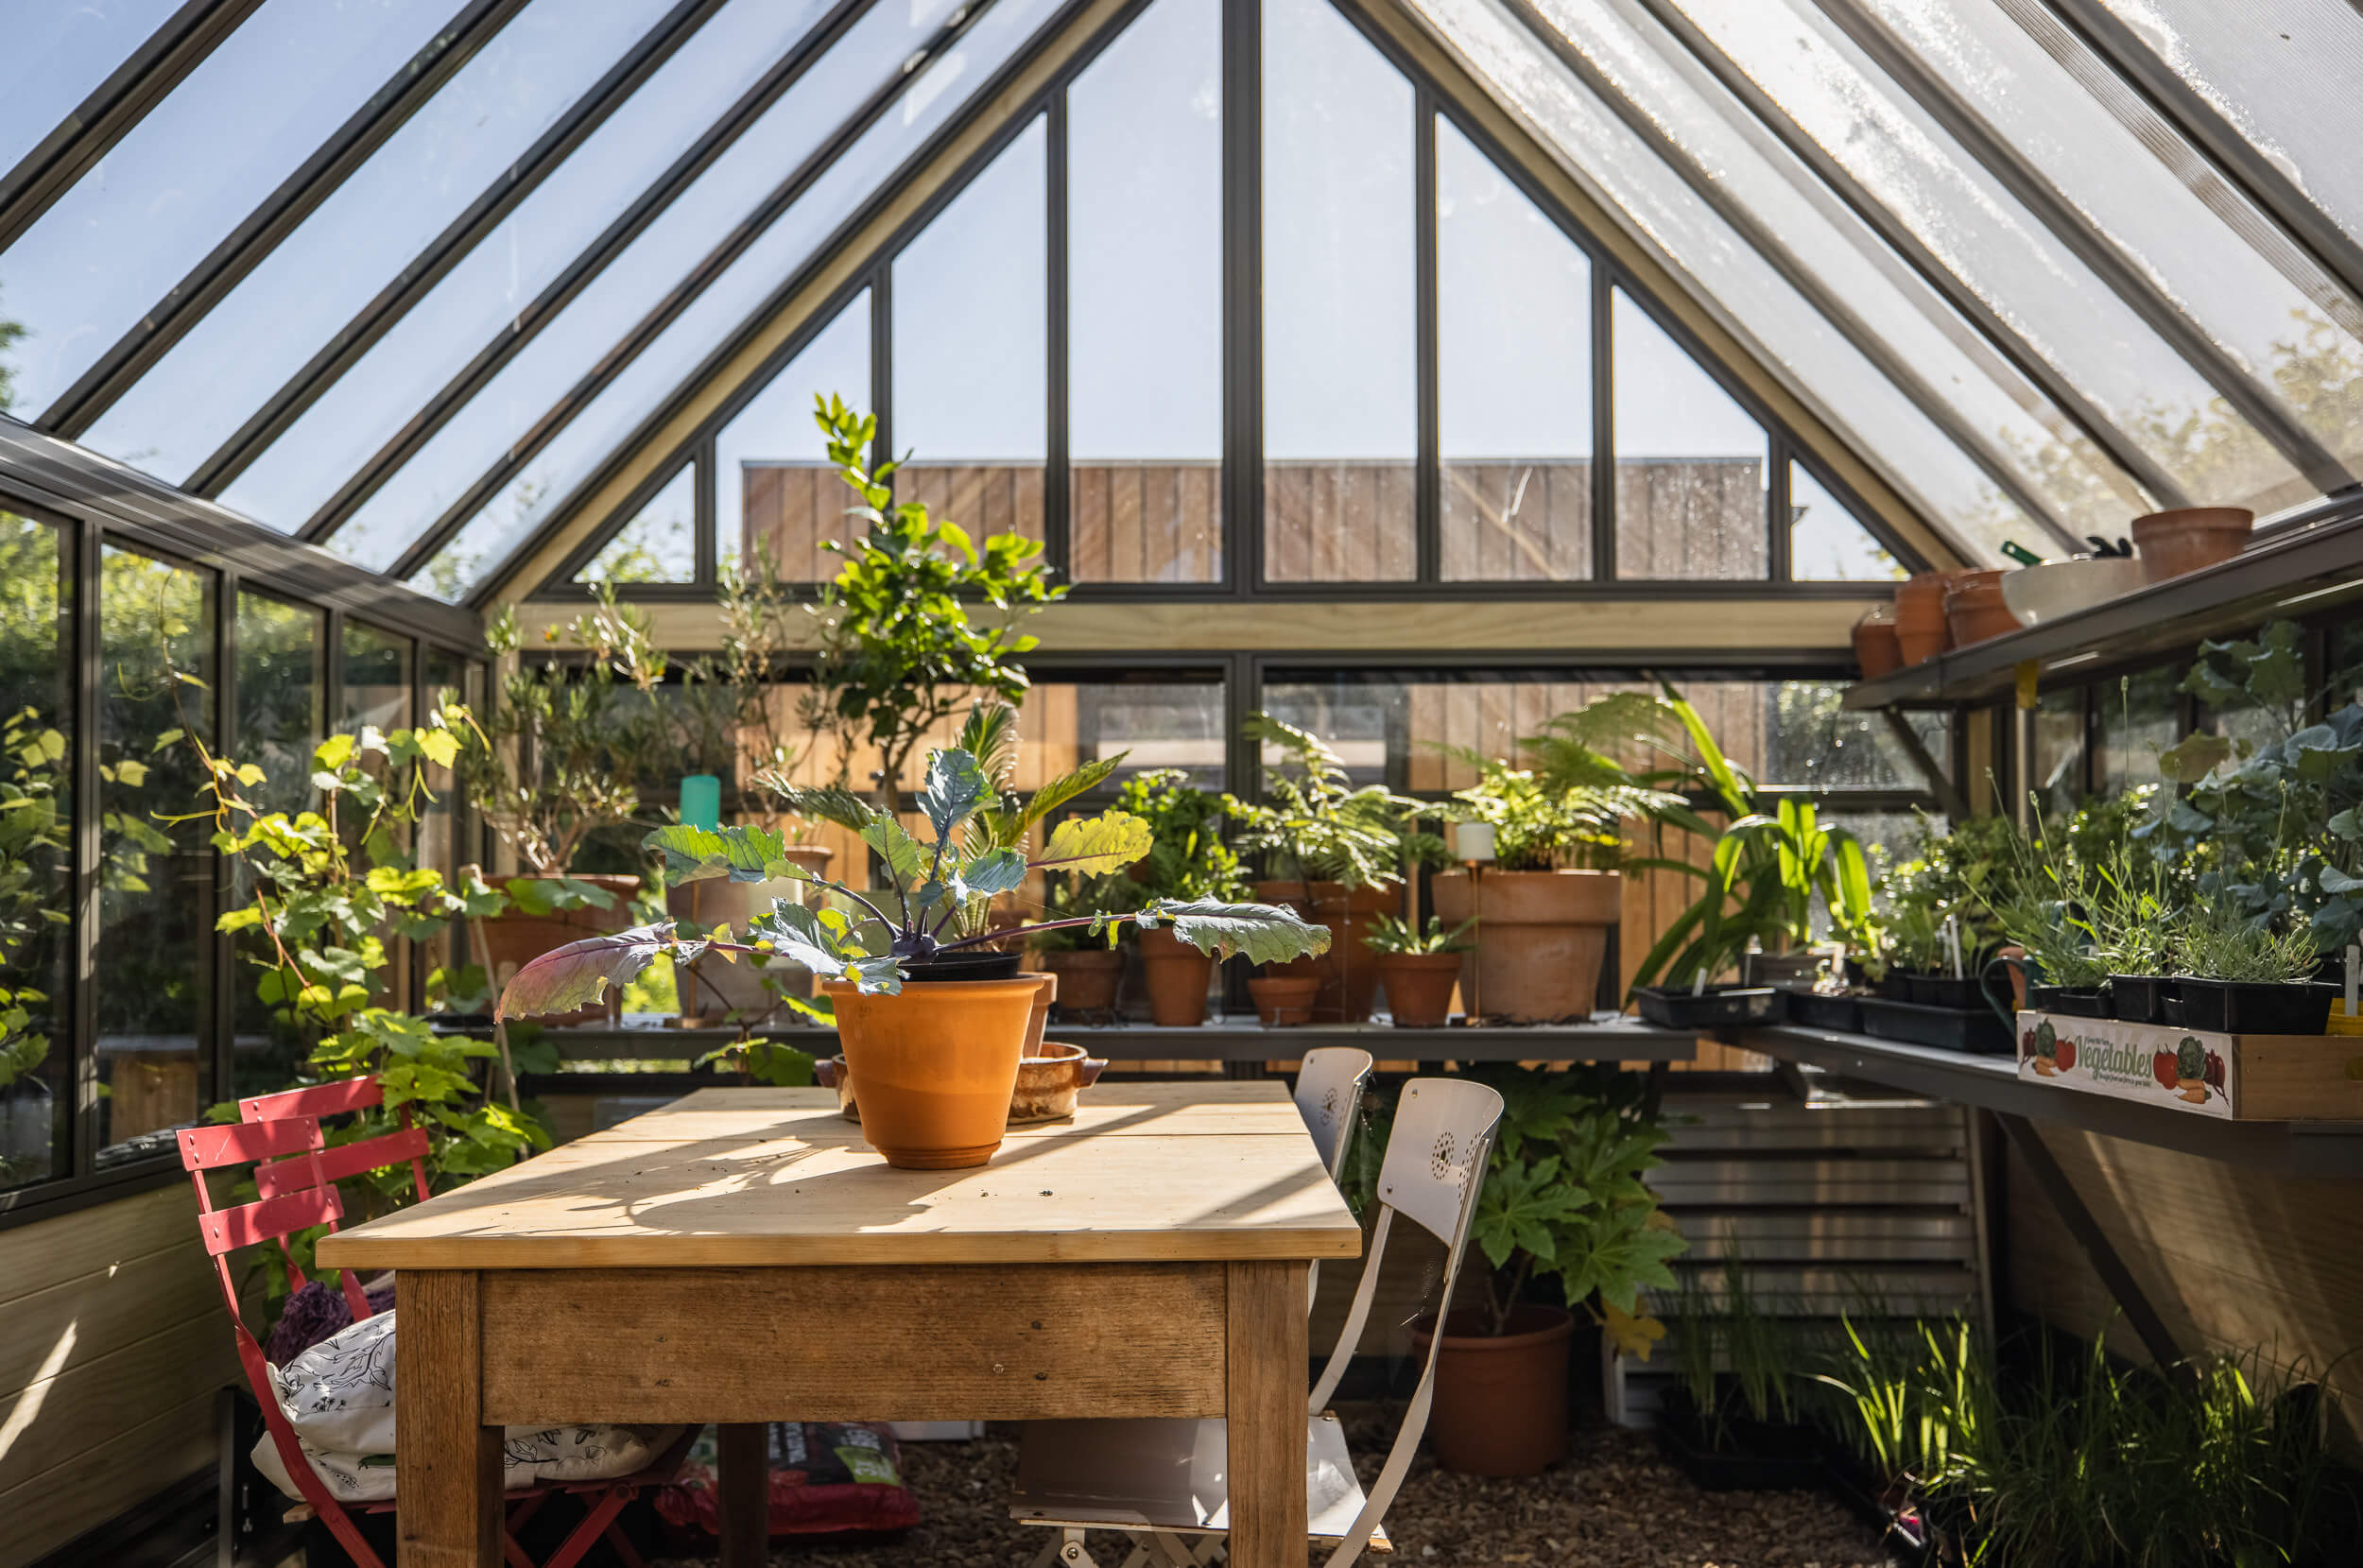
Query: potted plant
{"points": [[1090, 973], [2238, 975], [1284, 1000], [932, 1023], [1563, 1201], [1341, 852], [1731, 1421], [1418, 968], [1187, 860], [1543, 911]]}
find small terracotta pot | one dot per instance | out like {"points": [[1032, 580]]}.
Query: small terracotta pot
{"points": [[1040, 1017], [1501, 1401], [1176, 975], [1348, 971], [933, 1067], [1088, 978], [1974, 608], [1921, 631], [1282, 1000], [2189, 538], [515, 938], [1419, 987], [1875, 647]]}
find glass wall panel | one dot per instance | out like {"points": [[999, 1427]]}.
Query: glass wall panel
{"points": [[376, 678], [1690, 462], [57, 55], [1513, 304], [359, 241], [297, 474], [1340, 399], [660, 543], [1827, 543], [444, 676], [787, 246], [2056, 776], [281, 694], [773, 489], [1145, 295], [971, 348], [154, 974], [2139, 716], [188, 173], [36, 825], [1809, 740]]}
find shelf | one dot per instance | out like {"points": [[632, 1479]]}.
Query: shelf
{"points": [[2289, 1148], [2305, 568]]}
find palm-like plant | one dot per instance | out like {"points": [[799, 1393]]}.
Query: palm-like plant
{"points": [[1318, 823]]}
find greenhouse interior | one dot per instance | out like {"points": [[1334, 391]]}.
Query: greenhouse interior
{"points": [[1639, 721]]}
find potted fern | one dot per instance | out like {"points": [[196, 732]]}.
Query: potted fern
{"points": [[932, 1020]]}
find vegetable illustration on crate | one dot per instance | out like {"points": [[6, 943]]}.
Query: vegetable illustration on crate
{"points": [[2233, 1076]]}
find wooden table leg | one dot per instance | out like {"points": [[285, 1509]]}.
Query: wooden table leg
{"points": [[1267, 1386], [743, 1493], [447, 1462]]}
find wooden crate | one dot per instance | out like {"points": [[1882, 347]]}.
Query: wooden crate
{"points": [[2264, 1078]]}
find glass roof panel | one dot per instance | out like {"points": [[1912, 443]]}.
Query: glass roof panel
{"points": [[771, 490], [57, 60], [362, 237], [297, 475], [2283, 72], [187, 175], [550, 477], [1984, 236], [1843, 386], [1827, 543], [659, 544]]}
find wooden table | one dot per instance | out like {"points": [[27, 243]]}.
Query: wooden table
{"points": [[741, 1256]]}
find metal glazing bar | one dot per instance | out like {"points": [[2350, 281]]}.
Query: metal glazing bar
{"points": [[1428, 468], [2056, 212], [278, 215], [1242, 295], [2204, 125], [446, 249], [1058, 488], [882, 362], [1980, 449], [120, 102], [544, 307], [1778, 513], [1603, 420], [684, 293], [1948, 794], [2096, 425], [81, 541]]}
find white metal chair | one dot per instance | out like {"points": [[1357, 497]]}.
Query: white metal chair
{"points": [[1330, 1084], [1165, 1484]]}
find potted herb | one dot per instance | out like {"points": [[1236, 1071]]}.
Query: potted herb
{"points": [[1564, 1202], [1336, 852], [932, 1024], [1419, 968], [1730, 1422], [2047, 906], [1187, 860], [2238, 975], [1543, 910]]}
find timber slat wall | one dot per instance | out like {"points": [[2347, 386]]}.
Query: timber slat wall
{"points": [[115, 1342]]}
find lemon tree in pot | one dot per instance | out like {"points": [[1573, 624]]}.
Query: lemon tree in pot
{"points": [[932, 1023]]}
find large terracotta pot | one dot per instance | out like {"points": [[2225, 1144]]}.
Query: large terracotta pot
{"points": [[1176, 975], [2189, 538], [1087, 979], [1419, 987], [933, 1067], [1875, 647], [714, 986], [1921, 629], [1501, 1401], [1348, 971], [1974, 608], [1045, 993], [1540, 937], [516, 939]]}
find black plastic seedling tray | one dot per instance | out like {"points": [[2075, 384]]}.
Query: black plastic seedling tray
{"points": [[2231, 1006], [1979, 1031], [1673, 1007], [1842, 1013]]}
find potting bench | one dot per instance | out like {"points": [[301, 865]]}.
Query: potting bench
{"points": [[741, 1257]]}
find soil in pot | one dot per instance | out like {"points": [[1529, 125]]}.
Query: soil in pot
{"points": [[1284, 1000], [933, 1067], [1419, 987], [516, 939], [1088, 978], [1348, 971], [1541, 937], [1501, 1401], [1176, 976]]}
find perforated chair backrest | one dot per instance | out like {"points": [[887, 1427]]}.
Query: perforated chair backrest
{"points": [[1432, 1175], [1329, 1096], [344, 1160]]}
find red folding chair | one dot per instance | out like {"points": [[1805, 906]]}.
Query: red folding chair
{"points": [[296, 1178]]}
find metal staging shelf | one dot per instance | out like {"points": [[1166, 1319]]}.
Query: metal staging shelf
{"points": [[2290, 1148], [2302, 567]]}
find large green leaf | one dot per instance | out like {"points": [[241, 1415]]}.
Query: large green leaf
{"points": [[741, 853], [579, 973], [1093, 845], [819, 941], [993, 872], [1058, 792], [906, 859], [956, 787], [1265, 933], [828, 803]]}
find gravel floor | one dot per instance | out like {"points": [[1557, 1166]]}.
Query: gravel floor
{"points": [[1614, 1505]]}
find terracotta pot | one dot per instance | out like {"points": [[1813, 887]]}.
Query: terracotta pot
{"points": [[516, 939], [1541, 939], [1047, 1084], [2018, 975], [1087, 979], [1046, 991], [1921, 630], [1419, 987], [934, 1066], [1875, 647], [2189, 538], [1501, 1401], [1282, 1000], [1974, 610], [1348, 971], [1177, 976]]}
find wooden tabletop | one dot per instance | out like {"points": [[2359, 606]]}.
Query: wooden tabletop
{"points": [[1153, 1172]]}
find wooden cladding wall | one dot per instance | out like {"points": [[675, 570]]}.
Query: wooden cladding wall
{"points": [[1147, 523], [1516, 522], [1340, 522], [1696, 519], [113, 1341]]}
